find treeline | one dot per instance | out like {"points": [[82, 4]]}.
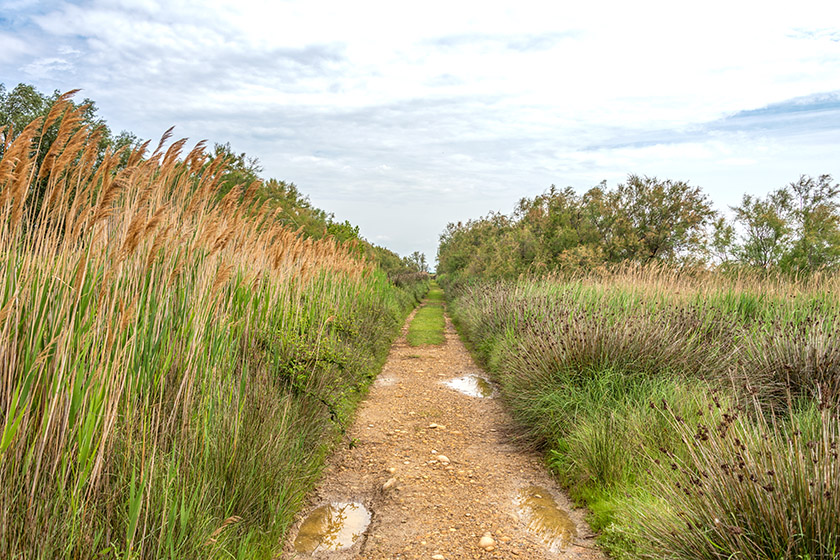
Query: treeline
{"points": [[291, 208], [646, 220]]}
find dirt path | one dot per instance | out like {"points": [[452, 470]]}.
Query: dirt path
{"points": [[438, 507]]}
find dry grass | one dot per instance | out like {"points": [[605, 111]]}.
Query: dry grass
{"points": [[664, 399], [161, 352]]}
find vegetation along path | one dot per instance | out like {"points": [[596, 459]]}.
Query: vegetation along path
{"points": [[431, 465]]}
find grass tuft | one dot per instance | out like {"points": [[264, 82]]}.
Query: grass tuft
{"points": [[695, 414]]}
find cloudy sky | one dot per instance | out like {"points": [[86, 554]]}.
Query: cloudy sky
{"points": [[404, 116]]}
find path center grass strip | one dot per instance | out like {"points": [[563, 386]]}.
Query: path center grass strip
{"points": [[427, 326]]}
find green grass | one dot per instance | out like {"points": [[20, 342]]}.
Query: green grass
{"points": [[427, 326], [175, 367], [694, 419], [435, 294]]}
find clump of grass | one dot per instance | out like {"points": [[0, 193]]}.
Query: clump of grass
{"points": [[752, 488], [800, 360], [605, 371], [173, 365]]}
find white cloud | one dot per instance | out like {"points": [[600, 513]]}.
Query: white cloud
{"points": [[43, 67], [473, 104], [11, 48]]}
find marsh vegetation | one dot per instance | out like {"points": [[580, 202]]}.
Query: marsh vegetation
{"points": [[696, 414], [175, 361]]}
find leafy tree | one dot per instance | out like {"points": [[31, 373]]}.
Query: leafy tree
{"points": [[21, 106], [722, 244], [343, 231], [556, 220], [643, 219], [815, 223], [417, 261], [241, 169], [660, 220], [25, 103], [766, 229]]}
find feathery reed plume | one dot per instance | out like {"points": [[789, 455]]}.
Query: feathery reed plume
{"points": [[152, 342]]}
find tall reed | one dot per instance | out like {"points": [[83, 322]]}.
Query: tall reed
{"points": [[173, 365]]}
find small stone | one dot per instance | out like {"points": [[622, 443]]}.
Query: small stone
{"points": [[389, 483], [443, 458], [486, 541], [432, 426], [438, 557], [505, 539], [490, 548], [392, 470]]}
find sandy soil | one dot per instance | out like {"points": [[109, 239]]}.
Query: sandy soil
{"points": [[435, 509]]}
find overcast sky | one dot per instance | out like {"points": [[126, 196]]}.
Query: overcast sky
{"points": [[404, 116]]}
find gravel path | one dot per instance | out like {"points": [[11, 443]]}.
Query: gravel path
{"points": [[450, 472]]}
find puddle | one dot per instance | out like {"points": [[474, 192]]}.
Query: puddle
{"points": [[472, 385], [385, 381], [544, 518], [334, 526]]}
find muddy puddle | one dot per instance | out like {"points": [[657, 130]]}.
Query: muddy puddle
{"points": [[472, 385], [385, 381], [331, 527], [544, 518]]}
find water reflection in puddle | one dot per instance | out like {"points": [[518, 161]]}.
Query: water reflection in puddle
{"points": [[472, 385], [334, 526], [544, 518], [385, 381]]}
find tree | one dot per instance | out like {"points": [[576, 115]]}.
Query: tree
{"points": [[722, 244], [21, 106], [658, 220], [417, 261], [766, 230], [554, 226], [241, 169], [815, 223]]}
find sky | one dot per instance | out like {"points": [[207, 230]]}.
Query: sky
{"points": [[402, 117]]}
